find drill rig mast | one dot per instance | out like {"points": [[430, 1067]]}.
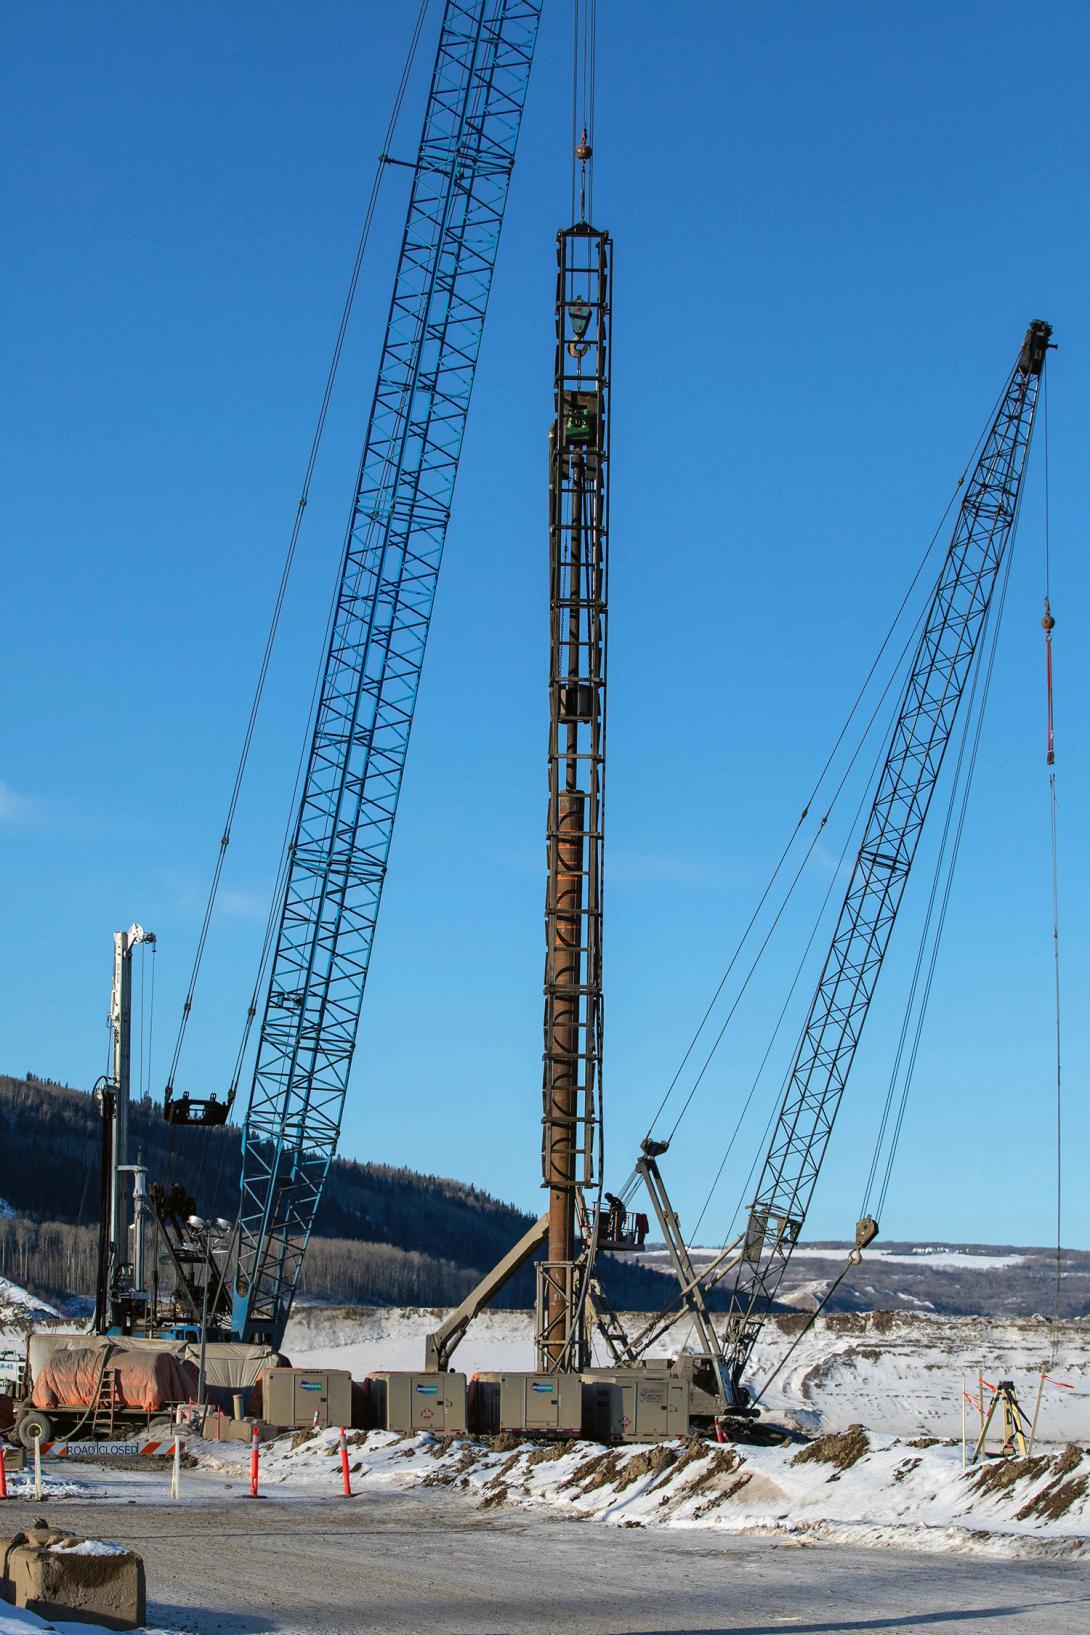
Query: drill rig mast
{"points": [[578, 532]]}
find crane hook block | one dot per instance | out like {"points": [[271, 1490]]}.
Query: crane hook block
{"points": [[866, 1230]]}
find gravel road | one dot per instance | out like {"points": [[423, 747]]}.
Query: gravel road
{"points": [[429, 1562]]}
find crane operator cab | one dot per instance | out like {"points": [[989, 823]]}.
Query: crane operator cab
{"points": [[619, 1228]]}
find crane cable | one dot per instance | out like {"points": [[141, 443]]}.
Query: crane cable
{"points": [[941, 889], [821, 911], [280, 888], [289, 556], [1048, 624], [834, 878], [970, 732], [584, 66], [857, 750], [817, 787], [956, 826], [284, 862]]}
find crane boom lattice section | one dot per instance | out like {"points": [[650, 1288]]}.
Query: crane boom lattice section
{"points": [[364, 715], [936, 683]]}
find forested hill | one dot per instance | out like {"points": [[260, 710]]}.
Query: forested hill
{"points": [[383, 1234]]}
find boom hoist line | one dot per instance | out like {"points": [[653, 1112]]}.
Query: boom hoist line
{"points": [[394, 544], [940, 669]]}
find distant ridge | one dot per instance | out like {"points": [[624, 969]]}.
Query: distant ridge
{"points": [[390, 1236], [946, 1279], [384, 1235]]}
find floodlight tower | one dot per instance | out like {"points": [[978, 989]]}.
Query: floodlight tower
{"points": [[578, 532]]}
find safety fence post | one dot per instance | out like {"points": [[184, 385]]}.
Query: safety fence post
{"points": [[37, 1467], [176, 1469], [344, 1464], [3, 1474], [255, 1443]]}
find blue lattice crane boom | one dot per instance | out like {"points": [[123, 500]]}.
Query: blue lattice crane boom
{"points": [[940, 669], [390, 565]]}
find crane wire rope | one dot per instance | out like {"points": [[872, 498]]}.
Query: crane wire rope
{"points": [[835, 874], [289, 556], [891, 679], [584, 70], [1048, 624], [972, 729], [941, 888], [960, 789], [824, 904], [280, 885], [958, 831], [799, 968], [817, 786]]}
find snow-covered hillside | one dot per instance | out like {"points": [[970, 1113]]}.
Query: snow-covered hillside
{"points": [[16, 1305], [956, 1279]]}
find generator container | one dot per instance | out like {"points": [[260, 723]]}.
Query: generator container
{"points": [[417, 1402], [291, 1397], [527, 1404], [634, 1405]]}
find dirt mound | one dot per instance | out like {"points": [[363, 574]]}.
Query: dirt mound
{"points": [[597, 1471], [840, 1448], [652, 1462], [1002, 1474]]}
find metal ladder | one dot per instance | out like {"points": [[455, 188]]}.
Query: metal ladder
{"points": [[106, 1405]]}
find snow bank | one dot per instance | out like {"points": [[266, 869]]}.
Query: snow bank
{"points": [[852, 1487]]}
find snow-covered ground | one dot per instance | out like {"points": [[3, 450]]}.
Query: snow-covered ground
{"points": [[880, 1392], [899, 1374], [853, 1488]]}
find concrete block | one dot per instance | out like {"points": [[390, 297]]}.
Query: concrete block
{"points": [[57, 1576], [239, 1430]]}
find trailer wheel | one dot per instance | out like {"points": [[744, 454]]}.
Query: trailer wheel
{"points": [[31, 1425]]}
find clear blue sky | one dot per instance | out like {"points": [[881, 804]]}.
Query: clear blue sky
{"points": [[832, 224]]}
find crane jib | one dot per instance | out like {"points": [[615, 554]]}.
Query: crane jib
{"points": [[941, 666], [364, 715]]}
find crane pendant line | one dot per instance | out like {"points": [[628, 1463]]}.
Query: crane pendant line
{"points": [[929, 705], [389, 570]]}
